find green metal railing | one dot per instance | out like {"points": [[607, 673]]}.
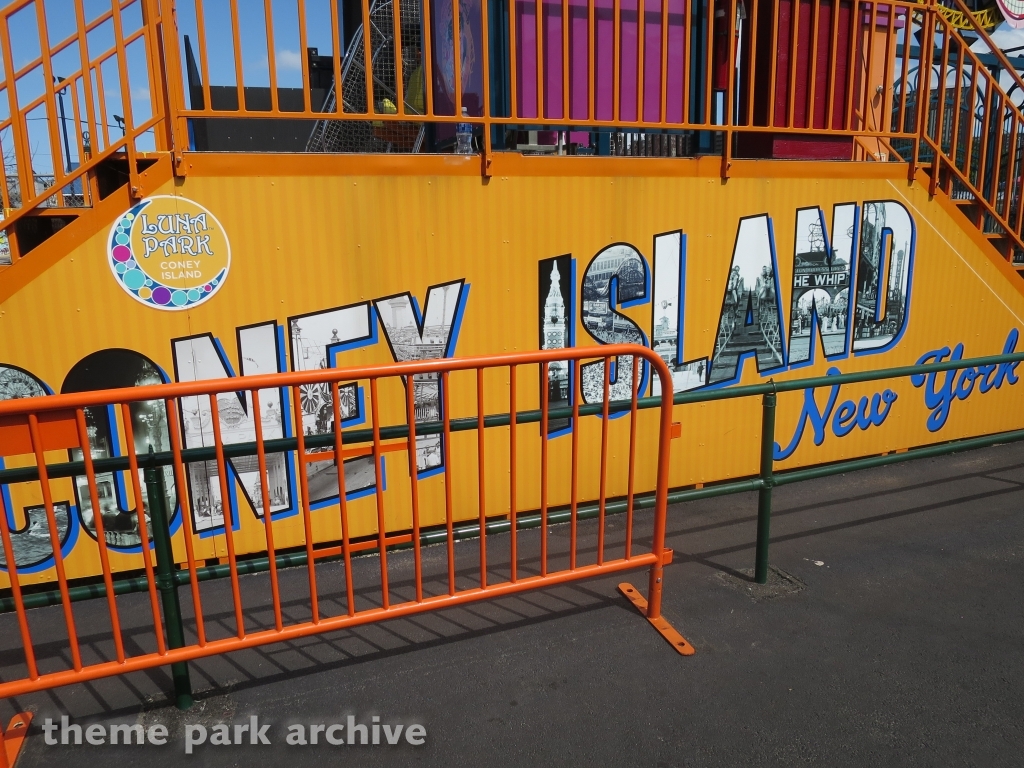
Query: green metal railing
{"points": [[170, 577]]}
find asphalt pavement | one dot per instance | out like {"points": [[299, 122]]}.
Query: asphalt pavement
{"points": [[891, 633]]}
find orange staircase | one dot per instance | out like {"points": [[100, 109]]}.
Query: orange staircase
{"points": [[958, 128]]}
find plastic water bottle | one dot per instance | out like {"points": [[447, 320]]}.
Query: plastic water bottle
{"points": [[464, 136]]}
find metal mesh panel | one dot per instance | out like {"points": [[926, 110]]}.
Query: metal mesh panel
{"points": [[334, 135]]}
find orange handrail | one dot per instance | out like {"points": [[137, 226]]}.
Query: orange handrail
{"points": [[813, 87]]}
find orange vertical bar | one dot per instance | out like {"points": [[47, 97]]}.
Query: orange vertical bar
{"points": [[414, 477], [76, 112], [641, 34], [631, 482], [457, 54], [687, 47], [774, 85], [997, 156], [811, 85], [955, 133], [663, 82], [339, 465], [186, 518], [236, 44], [448, 481], [15, 590], [486, 88], [304, 53], [159, 84], [544, 470], [512, 465], [481, 488], [139, 495], [337, 56], [970, 122], [728, 106], [22, 152], [227, 516], [661, 493], [856, 38], [371, 107], [513, 63], [5, 200], [379, 489], [575, 385], [616, 52], [604, 462], [19, 604], [131, 132], [101, 539], [983, 154], [901, 125], [103, 105], [428, 76], [794, 63], [50, 100], [1012, 169], [885, 124], [268, 521], [708, 82], [268, 13], [869, 61], [922, 113], [44, 483], [565, 61], [833, 55], [307, 526], [1018, 183], [591, 34], [204, 64], [541, 111], [396, 14], [752, 36], [83, 50]]}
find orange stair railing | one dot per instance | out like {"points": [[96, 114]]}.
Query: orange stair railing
{"points": [[836, 79]]}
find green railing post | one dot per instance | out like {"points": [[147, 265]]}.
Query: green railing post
{"points": [[764, 496], [166, 582]]}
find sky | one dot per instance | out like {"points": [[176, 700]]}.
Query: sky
{"points": [[61, 23]]}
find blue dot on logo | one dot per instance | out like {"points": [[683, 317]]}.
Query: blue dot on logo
{"points": [[122, 239], [126, 224], [178, 298], [134, 279], [120, 268], [193, 295]]}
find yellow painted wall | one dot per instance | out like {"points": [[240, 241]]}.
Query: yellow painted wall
{"points": [[302, 243]]}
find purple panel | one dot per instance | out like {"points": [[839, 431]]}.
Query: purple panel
{"points": [[579, 93], [652, 60], [604, 52], [442, 53], [553, 60], [676, 59], [604, 11], [526, 58], [628, 59]]}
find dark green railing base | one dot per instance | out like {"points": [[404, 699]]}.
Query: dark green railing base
{"points": [[524, 521]]}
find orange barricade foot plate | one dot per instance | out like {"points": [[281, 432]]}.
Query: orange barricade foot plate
{"points": [[665, 629], [14, 736]]}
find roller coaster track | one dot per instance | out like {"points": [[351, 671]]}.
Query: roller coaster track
{"points": [[987, 18]]}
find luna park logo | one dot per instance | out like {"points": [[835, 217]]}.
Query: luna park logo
{"points": [[169, 253]]}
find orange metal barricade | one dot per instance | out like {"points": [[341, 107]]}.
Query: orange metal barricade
{"points": [[42, 426]]}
